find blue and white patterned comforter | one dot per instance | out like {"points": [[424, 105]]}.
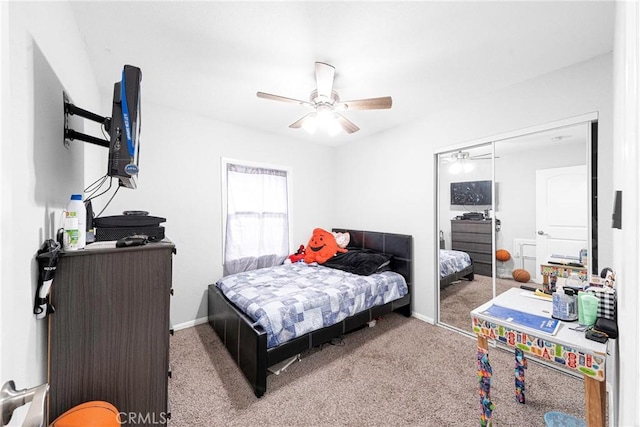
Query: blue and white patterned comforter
{"points": [[453, 261], [293, 299]]}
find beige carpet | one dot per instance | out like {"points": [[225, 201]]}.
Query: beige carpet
{"points": [[402, 372], [458, 299]]}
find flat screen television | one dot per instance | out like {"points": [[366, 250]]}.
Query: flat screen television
{"points": [[471, 193], [124, 144]]}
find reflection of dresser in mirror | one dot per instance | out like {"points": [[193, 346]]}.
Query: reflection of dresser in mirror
{"points": [[474, 238]]}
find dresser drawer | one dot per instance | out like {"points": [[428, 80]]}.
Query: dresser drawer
{"points": [[483, 227], [470, 237], [484, 248]]}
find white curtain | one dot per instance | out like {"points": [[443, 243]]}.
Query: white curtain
{"points": [[257, 214]]}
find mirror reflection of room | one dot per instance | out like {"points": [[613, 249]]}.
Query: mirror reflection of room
{"points": [[540, 218], [545, 208], [465, 220]]}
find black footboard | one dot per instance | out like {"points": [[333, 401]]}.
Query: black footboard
{"points": [[246, 344]]}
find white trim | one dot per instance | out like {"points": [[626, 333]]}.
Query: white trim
{"points": [[426, 319], [436, 232], [626, 241], [583, 118], [191, 323]]}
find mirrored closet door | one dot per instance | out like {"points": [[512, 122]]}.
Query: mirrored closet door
{"points": [[518, 206], [465, 222]]}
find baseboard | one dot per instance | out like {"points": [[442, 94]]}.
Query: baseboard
{"points": [[190, 323], [423, 318]]}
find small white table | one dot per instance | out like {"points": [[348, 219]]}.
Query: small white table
{"points": [[567, 349]]}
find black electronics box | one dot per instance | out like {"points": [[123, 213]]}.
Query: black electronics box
{"points": [[120, 226], [154, 234], [476, 216]]}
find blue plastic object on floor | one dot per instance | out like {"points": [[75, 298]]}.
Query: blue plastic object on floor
{"points": [[558, 419]]}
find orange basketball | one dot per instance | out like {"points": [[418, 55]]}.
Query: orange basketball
{"points": [[521, 275], [503, 255], [90, 414]]}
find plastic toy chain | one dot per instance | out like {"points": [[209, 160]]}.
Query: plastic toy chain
{"points": [[484, 380], [521, 365]]}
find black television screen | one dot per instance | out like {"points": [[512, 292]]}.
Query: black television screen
{"points": [[124, 144], [471, 193]]}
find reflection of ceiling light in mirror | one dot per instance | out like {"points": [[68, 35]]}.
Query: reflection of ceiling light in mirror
{"points": [[460, 166], [455, 168], [461, 163]]}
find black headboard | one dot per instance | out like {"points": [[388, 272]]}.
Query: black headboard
{"points": [[398, 245]]}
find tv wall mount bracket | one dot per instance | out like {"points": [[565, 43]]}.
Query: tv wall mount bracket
{"points": [[69, 134]]}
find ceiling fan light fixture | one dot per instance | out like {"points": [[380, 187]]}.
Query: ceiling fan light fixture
{"points": [[332, 126], [325, 100], [310, 125]]}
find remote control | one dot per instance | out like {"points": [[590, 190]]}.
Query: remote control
{"points": [[136, 240]]}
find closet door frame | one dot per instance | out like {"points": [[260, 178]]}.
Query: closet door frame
{"points": [[492, 140]]}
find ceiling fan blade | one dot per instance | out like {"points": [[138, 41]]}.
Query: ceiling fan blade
{"points": [[347, 125], [282, 98], [324, 79], [298, 123], [381, 103]]}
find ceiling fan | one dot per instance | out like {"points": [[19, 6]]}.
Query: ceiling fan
{"points": [[461, 160], [327, 105]]}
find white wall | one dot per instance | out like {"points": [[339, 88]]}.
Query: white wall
{"points": [[38, 173], [397, 195], [180, 180]]}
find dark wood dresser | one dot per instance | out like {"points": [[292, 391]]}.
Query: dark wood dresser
{"points": [[474, 238], [109, 335]]}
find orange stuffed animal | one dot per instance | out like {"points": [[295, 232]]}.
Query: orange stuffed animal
{"points": [[321, 247]]}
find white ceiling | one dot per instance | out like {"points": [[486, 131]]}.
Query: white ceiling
{"points": [[212, 57]]}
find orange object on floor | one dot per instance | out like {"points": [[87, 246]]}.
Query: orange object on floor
{"points": [[89, 414]]}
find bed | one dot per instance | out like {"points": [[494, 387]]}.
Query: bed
{"points": [[454, 266], [254, 349]]}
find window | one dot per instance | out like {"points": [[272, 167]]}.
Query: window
{"points": [[256, 219]]}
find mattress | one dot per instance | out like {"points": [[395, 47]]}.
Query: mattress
{"points": [[453, 261], [291, 300]]}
